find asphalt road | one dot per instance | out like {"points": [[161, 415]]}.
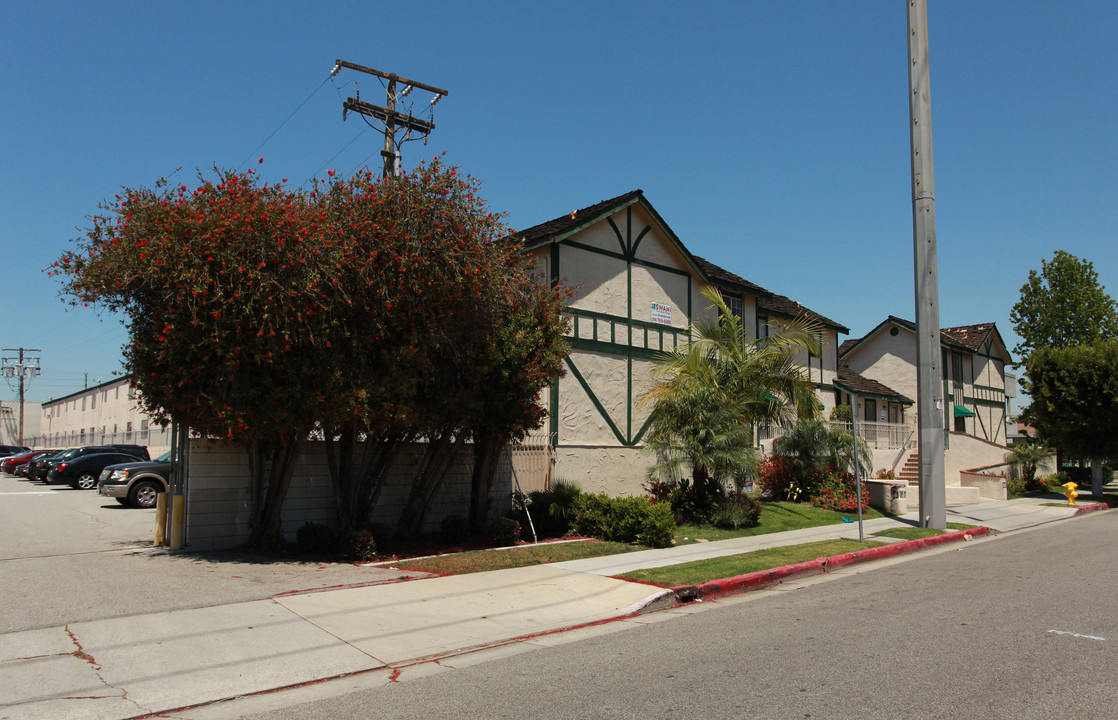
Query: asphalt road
{"points": [[1018, 626], [69, 555]]}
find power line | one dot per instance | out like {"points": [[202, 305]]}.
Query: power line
{"points": [[261, 145]]}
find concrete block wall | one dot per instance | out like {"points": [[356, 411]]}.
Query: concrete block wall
{"points": [[217, 502]]}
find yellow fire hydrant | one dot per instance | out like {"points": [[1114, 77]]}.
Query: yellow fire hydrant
{"points": [[1069, 488]]}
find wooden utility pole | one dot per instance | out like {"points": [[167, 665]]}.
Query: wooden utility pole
{"points": [[392, 119], [929, 377], [24, 367]]}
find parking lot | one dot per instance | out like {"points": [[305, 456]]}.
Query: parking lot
{"points": [[70, 555]]}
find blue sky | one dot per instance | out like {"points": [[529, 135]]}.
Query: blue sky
{"points": [[772, 136]]}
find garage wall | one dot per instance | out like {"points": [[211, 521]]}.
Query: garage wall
{"points": [[217, 502]]}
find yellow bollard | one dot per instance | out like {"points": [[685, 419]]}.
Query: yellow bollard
{"points": [[1071, 493], [160, 519], [178, 515]]}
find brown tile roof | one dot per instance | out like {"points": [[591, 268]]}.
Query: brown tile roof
{"points": [[786, 306], [846, 345], [574, 219], [863, 386], [969, 336], [714, 272]]}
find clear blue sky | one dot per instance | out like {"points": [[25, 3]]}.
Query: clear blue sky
{"points": [[772, 135]]}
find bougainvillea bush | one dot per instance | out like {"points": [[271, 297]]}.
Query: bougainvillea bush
{"points": [[374, 312], [838, 491]]}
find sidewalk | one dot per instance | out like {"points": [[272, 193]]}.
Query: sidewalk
{"points": [[136, 666]]}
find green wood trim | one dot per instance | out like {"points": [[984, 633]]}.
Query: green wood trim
{"points": [[644, 428], [620, 239], [640, 236], [597, 403], [595, 250], [553, 412], [554, 266]]}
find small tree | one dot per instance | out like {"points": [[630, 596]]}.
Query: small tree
{"points": [[716, 386], [1023, 460], [1062, 306], [814, 449], [1075, 401]]}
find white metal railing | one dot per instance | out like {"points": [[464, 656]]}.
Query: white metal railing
{"points": [[882, 436]]}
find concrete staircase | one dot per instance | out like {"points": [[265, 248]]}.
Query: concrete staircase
{"points": [[955, 495], [910, 471]]}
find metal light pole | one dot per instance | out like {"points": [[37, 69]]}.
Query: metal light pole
{"points": [[933, 495], [24, 367]]}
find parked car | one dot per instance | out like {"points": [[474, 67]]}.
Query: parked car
{"points": [[10, 463], [6, 450], [38, 468], [41, 470], [82, 472], [136, 484]]}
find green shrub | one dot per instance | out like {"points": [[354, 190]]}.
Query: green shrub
{"points": [[454, 528], [628, 520], [695, 502], [738, 510], [551, 510], [315, 537], [504, 531], [360, 545]]}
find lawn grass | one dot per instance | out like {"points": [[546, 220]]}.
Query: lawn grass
{"points": [[519, 556], [775, 517], [701, 571], [916, 533]]}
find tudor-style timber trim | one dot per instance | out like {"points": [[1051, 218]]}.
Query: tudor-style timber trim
{"points": [[624, 337]]}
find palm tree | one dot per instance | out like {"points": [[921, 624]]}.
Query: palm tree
{"points": [[1023, 459], [712, 389], [815, 448]]}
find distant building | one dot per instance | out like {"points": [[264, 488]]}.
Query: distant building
{"points": [[9, 422], [102, 414]]}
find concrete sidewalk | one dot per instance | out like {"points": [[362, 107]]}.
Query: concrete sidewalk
{"points": [[136, 666]]}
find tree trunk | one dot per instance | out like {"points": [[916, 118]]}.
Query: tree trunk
{"points": [[1096, 477], [487, 450], [271, 466], [441, 451]]}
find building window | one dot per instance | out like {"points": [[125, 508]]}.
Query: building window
{"points": [[762, 326], [733, 302], [869, 410]]}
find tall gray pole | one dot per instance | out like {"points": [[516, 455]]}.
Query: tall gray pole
{"points": [[929, 379]]}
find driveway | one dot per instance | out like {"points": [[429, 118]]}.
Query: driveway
{"points": [[70, 555]]}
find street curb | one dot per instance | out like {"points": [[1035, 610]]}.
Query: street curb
{"points": [[767, 578], [1090, 508]]}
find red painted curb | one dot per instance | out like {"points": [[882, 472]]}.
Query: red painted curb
{"points": [[1090, 508], [766, 578]]}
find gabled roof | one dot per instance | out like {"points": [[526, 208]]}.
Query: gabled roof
{"points": [[862, 386], [567, 225], [564, 226], [968, 338]]}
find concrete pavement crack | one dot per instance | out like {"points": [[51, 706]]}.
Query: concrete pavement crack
{"points": [[81, 654]]}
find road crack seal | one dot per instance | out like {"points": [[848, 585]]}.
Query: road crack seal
{"points": [[81, 654]]}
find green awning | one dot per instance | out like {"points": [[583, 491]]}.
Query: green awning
{"points": [[961, 411]]}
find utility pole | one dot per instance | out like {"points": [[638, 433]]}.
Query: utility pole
{"points": [[24, 367], [392, 119], [929, 378]]}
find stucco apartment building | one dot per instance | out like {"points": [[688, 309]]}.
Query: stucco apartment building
{"points": [[638, 288], [976, 386]]}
